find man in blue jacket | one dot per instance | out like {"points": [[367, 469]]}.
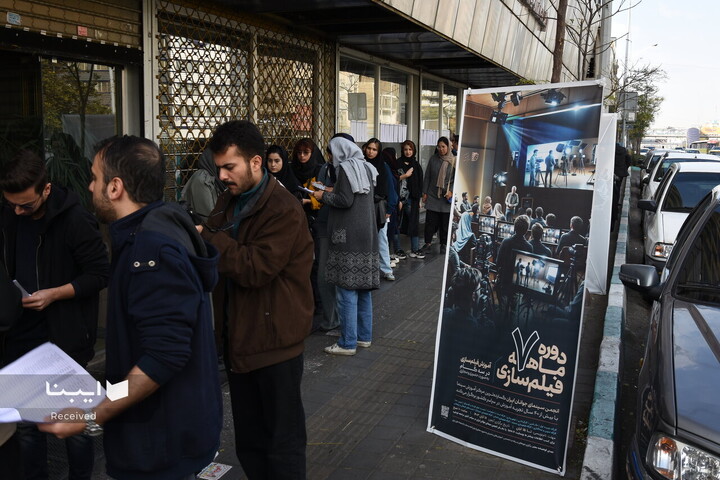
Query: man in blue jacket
{"points": [[159, 328], [52, 246]]}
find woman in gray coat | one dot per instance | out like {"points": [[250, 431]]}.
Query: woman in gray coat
{"points": [[353, 264]]}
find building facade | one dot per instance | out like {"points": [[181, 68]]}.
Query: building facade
{"points": [[172, 71]]}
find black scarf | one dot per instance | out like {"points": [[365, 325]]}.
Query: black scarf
{"points": [[305, 171]]}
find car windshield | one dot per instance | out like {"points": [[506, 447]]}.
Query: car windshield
{"points": [[699, 276], [687, 189], [663, 168], [653, 161]]}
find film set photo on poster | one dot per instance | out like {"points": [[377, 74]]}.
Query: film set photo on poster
{"points": [[510, 320]]}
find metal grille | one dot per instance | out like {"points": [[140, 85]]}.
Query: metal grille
{"points": [[217, 66]]}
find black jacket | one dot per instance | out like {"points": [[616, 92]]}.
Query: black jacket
{"points": [[9, 299], [70, 250]]}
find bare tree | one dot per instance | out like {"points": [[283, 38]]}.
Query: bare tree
{"points": [[559, 41], [578, 23]]}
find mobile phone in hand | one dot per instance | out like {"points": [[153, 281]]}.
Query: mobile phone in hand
{"points": [[318, 185], [22, 290]]}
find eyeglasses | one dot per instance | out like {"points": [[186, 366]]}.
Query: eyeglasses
{"points": [[27, 207]]}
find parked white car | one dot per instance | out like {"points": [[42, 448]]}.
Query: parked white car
{"points": [[651, 158], [681, 189], [652, 180]]}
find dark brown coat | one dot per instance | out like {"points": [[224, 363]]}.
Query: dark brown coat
{"points": [[265, 275]]}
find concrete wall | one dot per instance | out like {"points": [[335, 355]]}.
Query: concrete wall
{"points": [[504, 32]]}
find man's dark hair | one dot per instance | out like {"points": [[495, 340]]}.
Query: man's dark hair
{"points": [[539, 212], [138, 162], [537, 231], [25, 170], [577, 224], [243, 134], [465, 283], [550, 219], [522, 223]]}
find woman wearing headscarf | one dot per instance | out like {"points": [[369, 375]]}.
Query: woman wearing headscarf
{"points": [[201, 192], [305, 164], [437, 193], [372, 149], [410, 179], [465, 238], [353, 264], [498, 213], [276, 162]]}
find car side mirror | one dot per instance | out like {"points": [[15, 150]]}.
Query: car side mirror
{"points": [[642, 278], [648, 205], [645, 180]]}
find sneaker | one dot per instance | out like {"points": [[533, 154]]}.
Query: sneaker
{"points": [[393, 264], [400, 254], [417, 254], [394, 258], [336, 349], [363, 344], [427, 248], [389, 277]]}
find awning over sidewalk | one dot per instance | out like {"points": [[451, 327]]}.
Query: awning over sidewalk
{"points": [[375, 29]]}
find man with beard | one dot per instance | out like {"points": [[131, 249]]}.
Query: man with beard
{"points": [[52, 246], [159, 324], [263, 303]]}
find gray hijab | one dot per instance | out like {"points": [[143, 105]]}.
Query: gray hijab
{"points": [[207, 163], [349, 158]]}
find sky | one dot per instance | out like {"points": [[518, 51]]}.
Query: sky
{"points": [[686, 35]]}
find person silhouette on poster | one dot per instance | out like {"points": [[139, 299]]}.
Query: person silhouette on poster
{"points": [[531, 167], [549, 166]]}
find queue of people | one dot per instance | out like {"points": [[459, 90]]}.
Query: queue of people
{"points": [[276, 237]]}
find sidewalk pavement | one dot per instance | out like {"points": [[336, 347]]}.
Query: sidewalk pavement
{"points": [[367, 414]]}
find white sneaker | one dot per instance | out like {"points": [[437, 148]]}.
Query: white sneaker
{"points": [[393, 264], [336, 349], [363, 344]]}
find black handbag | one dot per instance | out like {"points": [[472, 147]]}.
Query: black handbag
{"points": [[380, 212]]}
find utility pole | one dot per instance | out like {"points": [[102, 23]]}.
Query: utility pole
{"points": [[624, 89]]}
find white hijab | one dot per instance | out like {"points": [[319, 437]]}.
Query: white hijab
{"points": [[348, 157]]}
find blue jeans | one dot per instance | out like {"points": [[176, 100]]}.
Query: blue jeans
{"points": [[384, 249], [354, 307]]}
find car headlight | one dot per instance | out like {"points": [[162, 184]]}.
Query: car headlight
{"points": [[662, 250], [676, 460]]}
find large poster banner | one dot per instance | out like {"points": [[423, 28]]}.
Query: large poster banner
{"points": [[510, 319]]}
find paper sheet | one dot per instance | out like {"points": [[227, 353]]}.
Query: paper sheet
{"points": [[43, 382]]}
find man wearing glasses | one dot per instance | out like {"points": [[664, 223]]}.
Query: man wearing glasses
{"points": [[51, 245]]}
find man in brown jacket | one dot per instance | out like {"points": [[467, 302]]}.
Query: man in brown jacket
{"points": [[263, 303]]}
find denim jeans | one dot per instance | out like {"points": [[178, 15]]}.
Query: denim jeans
{"points": [[33, 448], [354, 307], [384, 250]]}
